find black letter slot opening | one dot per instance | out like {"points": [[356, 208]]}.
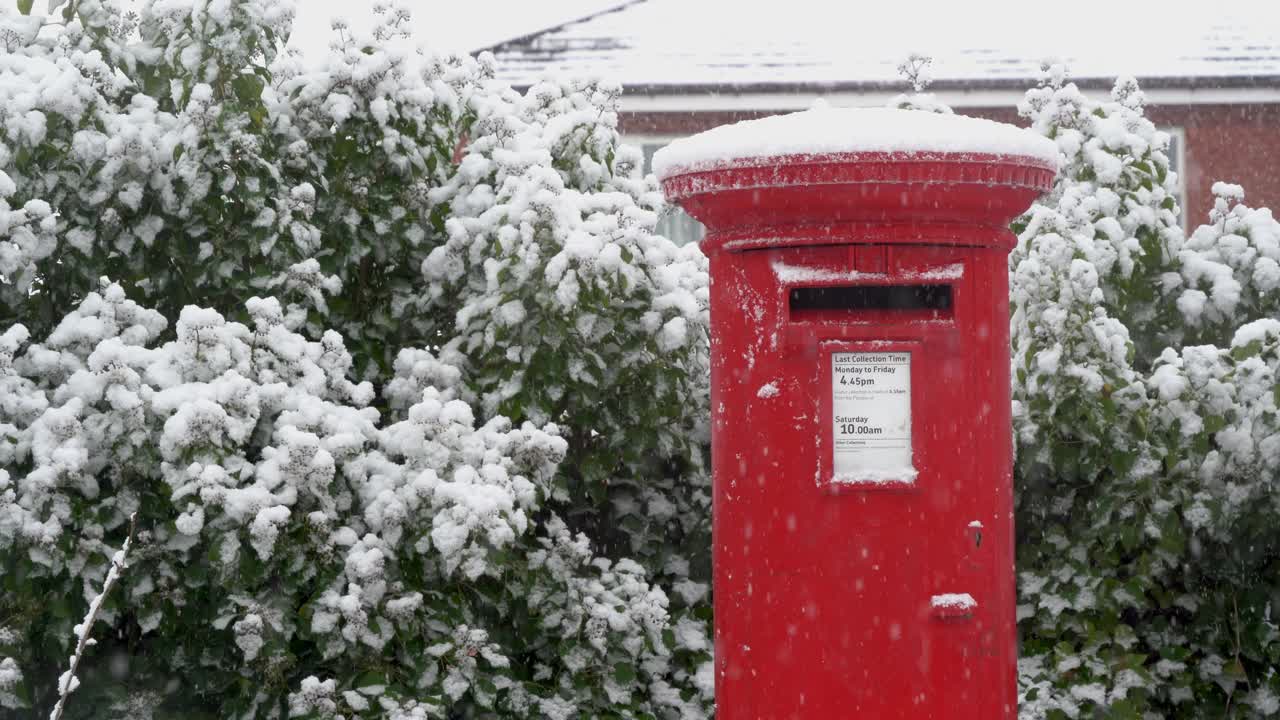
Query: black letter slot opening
{"points": [[922, 302]]}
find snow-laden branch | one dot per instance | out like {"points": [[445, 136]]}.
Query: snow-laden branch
{"points": [[68, 682]]}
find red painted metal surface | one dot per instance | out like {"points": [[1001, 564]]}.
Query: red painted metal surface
{"points": [[833, 599]]}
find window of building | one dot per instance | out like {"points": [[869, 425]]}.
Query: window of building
{"points": [[674, 223], [1178, 164]]}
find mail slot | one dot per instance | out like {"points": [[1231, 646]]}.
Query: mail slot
{"points": [[870, 303], [861, 441], [871, 297]]}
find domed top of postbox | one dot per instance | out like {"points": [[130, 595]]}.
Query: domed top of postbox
{"points": [[826, 170]]}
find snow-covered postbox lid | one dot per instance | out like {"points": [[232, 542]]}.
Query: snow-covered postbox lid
{"points": [[832, 169]]}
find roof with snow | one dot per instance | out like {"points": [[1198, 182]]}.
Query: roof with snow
{"points": [[673, 46]]}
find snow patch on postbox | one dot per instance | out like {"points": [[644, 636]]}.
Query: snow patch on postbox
{"points": [[826, 131], [796, 274], [905, 475], [803, 273], [953, 605]]}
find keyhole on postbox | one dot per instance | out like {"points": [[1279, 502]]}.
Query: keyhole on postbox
{"points": [[973, 559]]}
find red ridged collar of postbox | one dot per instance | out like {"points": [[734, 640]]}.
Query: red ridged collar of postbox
{"points": [[938, 194]]}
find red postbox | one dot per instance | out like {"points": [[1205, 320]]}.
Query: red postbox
{"points": [[861, 447]]}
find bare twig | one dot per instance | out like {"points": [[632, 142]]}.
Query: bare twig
{"points": [[67, 683]]}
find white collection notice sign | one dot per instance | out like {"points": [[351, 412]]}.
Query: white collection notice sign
{"points": [[871, 417]]}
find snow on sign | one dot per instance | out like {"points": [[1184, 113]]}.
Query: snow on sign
{"points": [[871, 417]]}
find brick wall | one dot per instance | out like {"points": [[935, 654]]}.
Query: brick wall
{"points": [[1235, 143]]}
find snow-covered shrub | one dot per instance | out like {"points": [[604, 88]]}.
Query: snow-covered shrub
{"points": [[406, 396], [917, 70], [1147, 463], [1229, 268]]}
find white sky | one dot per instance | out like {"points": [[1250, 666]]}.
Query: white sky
{"points": [[444, 25]]}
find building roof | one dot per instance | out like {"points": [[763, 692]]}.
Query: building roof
{"points": [[678, 46]]}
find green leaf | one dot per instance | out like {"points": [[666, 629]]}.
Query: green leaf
{"points": [[24, 6], [624, 673], [22, 693], [1122, 710], [1214, 423], [1122, 461], [1234, 670], [370, 682]]}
